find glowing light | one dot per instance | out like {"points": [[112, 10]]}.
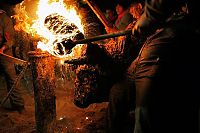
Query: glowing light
{"points": [[55, 24]]}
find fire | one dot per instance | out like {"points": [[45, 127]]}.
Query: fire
{"points": [[55, 24], [23, 23]]}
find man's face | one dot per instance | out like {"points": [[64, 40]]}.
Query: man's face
{"points": [[136, 10], [119, 9], [110, 13]]}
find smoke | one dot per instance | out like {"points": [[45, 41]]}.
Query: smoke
{"points": [[11, 2]]}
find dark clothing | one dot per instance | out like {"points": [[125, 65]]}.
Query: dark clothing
{"points": [[6, 31], [120, 106], [167, 98], [158, 13], [6, 68], [166, 94], [121, 98], [123, 21]]}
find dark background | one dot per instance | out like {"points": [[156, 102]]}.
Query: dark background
{"points": [[105, 4]]}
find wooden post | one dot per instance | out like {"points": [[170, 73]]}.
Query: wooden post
{"points": [[42, 65]]}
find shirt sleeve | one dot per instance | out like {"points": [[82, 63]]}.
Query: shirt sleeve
{"points": [[124, 22], [156, 12], [9, 33]]}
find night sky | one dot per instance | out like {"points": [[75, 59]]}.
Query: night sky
{"points": [[104, 4]]}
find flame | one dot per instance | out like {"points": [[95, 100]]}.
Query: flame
{"points": [[55, 24], [23, 23]]}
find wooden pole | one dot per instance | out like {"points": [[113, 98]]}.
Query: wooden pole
{"points": [[102, 37], [42, 65], [99, 13]]}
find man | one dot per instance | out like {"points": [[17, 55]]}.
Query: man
{"points": [[162, 76], [110, 15], [124, 18], [121, 101], [167, 97], [6, 43]]}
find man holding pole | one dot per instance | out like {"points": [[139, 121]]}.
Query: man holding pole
{"points": [[6, 68]]}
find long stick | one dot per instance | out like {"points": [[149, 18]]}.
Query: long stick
{"points": [[12, 59], [15, 84], [102, 37], [99, 13]]}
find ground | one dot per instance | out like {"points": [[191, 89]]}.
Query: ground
{"points": [[69, 119]]}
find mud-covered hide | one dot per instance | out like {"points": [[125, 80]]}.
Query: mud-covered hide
{"points": [[89, 86], [122, 51], [104, 66]]}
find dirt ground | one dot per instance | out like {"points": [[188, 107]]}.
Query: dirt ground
{"points": [[70, 118]]}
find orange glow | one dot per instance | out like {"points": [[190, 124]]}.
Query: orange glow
{"points": [[52, 26]]}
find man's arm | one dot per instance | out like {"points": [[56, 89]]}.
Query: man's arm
{"points": [[156, 12], [9, 33]]}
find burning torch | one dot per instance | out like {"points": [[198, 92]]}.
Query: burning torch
{"points": [[69, 44]]}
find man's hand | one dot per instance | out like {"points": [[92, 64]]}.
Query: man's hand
{"points": [[2, 49]]}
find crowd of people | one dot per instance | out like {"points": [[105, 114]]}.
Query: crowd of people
{"points": [[123, 17], [159, 84]]}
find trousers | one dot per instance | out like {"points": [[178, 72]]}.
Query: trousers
{"points": [[8, 70]]}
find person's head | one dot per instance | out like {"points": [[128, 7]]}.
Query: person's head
{"points": [[8, 5], [121, 7], [184, 9], [136, 10], [109, 12]]}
